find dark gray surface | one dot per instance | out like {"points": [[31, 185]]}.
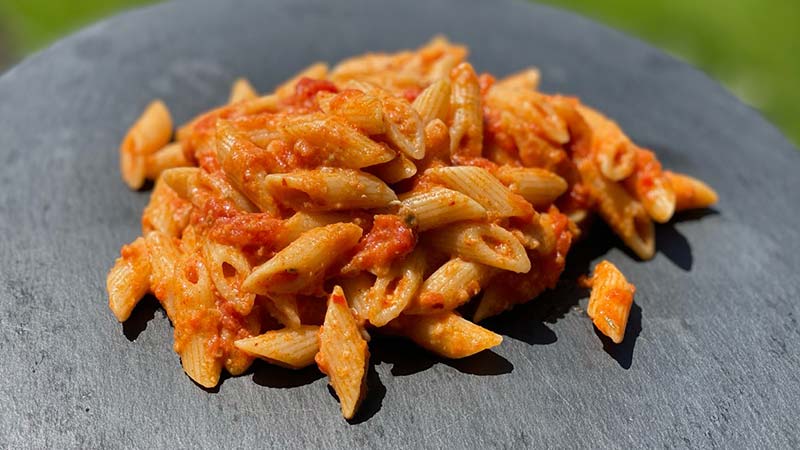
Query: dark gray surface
{"points": [[715, 362]]}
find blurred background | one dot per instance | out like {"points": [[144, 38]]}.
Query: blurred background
{"points": [[751, 46]]}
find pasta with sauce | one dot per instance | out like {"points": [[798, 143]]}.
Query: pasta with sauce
{"points": [[378, 196]]}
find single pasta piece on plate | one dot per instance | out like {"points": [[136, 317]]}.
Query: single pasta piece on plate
{"points": [[610, 301]]}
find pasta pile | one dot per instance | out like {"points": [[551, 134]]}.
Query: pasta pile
{"points": [[379, 196]]}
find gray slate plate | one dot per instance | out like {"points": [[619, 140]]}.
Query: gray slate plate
{"points": [[713, 346]]}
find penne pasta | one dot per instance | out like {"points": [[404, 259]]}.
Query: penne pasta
{"points": [[450, 286], [538, 186], [392, 292], [293, 348], [242, 90], [524, 79], [150, 133], [651, 187], [168, 157], [341, 145], [439, 206], [690, 193], [434, 101], [401, 187], [299, 267], [466, 130], [329, 189], [343, 353], [166, 212], [626, 217], [487, 244], [610, 301], [129, 279], [447, 334], [484, 188]]}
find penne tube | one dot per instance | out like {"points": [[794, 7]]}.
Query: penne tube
{"points": [[166, 212], [129, 280], [340, 144], [203, 368], [363, 111], [183, 181], [613, 150], [524, 79], [651, 187], [329, 189], [356, 290], [690, 193], [399, 169], [299, 267], [151, 132], [300, 222], [316, 71], [533, 108], [228, 268], [293, 348], [440, 206], [169, 157], [484, 188], [447, 334], [242, 90], [343, 353], [165, 257], [434, 101], [466, 129], [610, 301], [284, 309], [392, 292], [626, 217], [237, 156], [538, 186], [450, 286], [487, 244]]}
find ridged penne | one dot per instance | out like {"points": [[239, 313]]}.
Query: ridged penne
{"points": [[651, 187], [613, 150], [166, 212], [487, 244], [343, 353], [237, 157], [399, 169], [690, 193], [242, 90], [129, 280], [626, 217], [450, 286], [316, 71], [228, 268], [293, 348], [484, 188], [538, 186], [329, 189], [392, 292], [361, 110], [300, 266], [165, 257], [283, 308], [150, 133], [533, 109], [447, 334], [434, 101], [466, 129], [524, 79], [356, 290], [342, 145], [300, 222], [610, 301], [168, 157], [440, 206]]}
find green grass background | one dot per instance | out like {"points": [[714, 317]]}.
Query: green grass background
{"points": [[752, 46]]}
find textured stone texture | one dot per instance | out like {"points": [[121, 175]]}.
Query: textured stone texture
{"points": [[712, 353]]}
